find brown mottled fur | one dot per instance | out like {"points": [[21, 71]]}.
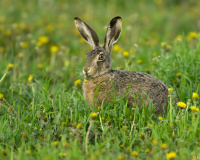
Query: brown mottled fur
{"points": [[140, 85], [139, 88]]}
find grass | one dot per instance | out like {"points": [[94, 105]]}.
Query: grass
{"points": [[43, 114]]}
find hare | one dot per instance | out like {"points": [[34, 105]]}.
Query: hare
{"points": [[103, 83]]}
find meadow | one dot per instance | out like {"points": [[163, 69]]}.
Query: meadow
{"points": [[43, 114]]}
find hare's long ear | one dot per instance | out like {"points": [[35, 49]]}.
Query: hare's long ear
{"points": [[113, 33], [87, 32]]}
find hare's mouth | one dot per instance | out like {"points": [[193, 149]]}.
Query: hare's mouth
{"points": [[86, 74]]}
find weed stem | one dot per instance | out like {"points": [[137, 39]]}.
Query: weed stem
{"points": [[87, 135]]}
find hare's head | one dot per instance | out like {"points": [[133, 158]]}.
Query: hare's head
{"points": [[98, 60]]}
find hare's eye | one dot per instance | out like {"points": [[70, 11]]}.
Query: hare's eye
{"points": [[101, 57]]}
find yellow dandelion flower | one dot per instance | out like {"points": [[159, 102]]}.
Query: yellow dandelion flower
{"points": [[54, 49], [50, 28], [9, 109], [78, 125], [195, 109], [195, 96], [2, 19], [30, 78], [77, 82], [193, 35], [40, 66], [125, 54], [22, 26], [127, 149], [39, 44], [178, 39], [121, 146], [147, 150], [109, 122], [86, 81], [93, 115], [10, 66], [155, 54], [141, 135], [24, 44], [168, 47], [4, 152], [38, 115], [55, 143], [63, 154], [149, 125], [139, 61], [116, 48], [124, 127], [160, 118], [43, 39], [42, 138], [154, 142], [28, 152], [163, 44], [7, 33], [171, 155], [135, 153], [99, 108], [1, 97], [170, 90], [2, 49], [178, 75], [102, 119], [163, 146], [20, 55], [24, 135], [181, 104], [66, 144], [121, 157]]}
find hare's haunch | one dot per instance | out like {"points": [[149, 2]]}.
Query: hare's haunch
{"points": [[140, 88]]}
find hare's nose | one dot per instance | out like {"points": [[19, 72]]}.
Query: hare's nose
{"points": [[86, 69]]}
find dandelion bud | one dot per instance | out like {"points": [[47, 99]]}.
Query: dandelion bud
{"points": [[163, 146], [178, 75], [41, 107], [28, 152], [78, 125], [93, 115], [1, 97], [24, 135], [134, 153], [10, 67], [99, 108], [55, 143], [51, 95], [86, 81], [170, 90], [30, 78], [45, 119], [195, 96], [109, 122], [4, 152], [9, 109], [141, 135]]}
